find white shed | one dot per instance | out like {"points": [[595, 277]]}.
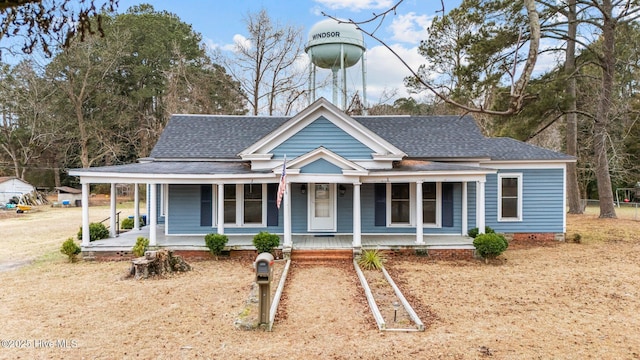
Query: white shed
{"points": [[12, 186]]}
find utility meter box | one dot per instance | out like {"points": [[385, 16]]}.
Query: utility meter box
{"points": [[264, 268]]}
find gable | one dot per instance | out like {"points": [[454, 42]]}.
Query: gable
{"points": [[321, 125], [321, 166], [323, 133]]}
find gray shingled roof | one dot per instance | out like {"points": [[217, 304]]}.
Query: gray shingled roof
{"points": [[212, 136], [435, 137], [176, 167]]}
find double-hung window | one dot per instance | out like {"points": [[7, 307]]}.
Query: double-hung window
{"points": [[399, 203], [245, 204], [510, 197], [430, 203]]}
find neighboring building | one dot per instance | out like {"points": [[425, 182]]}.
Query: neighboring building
{"points": [[69, 196], [11, 187], [370, 181]]}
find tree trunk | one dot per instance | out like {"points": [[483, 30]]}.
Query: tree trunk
{"points": [[605, 192], [573, 190]]}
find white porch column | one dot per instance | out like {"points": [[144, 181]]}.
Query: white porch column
{"points": [[480, 212], [220, 208], [86, 235], [419, 219], [465, 209], [153, 214], [357, 226], [286, 222], [112, 220], [136, 206]]}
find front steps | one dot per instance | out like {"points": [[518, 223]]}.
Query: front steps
{"points": [[321, 255]]}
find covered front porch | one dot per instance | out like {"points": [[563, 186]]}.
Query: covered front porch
{"points": [[125, 241]]}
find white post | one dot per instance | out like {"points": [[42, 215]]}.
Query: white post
{"points": [[419, 219], [480, 212], [153, 214], [465, 209], [220, 208], [112, 220], [86, 235], [136, 207], [288, 242], [357, 226]]}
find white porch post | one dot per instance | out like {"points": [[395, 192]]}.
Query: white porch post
{"points": [[480, 212], [153, 214], [86, 235], [112, 219], [419, 219], [357, 226], [136, 206], [220, 208], [288, 242], [465, 209]]}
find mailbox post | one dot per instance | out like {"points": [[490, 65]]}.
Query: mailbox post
{"points": [[264, 274]]}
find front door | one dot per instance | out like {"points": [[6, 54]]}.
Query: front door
{"points": [[322, 207]]}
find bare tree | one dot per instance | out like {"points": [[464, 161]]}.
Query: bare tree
{"points": [[518, 93], [266, 64], [51, 22]]}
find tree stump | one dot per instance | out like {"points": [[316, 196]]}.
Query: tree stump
{"points": [[158, 263]]}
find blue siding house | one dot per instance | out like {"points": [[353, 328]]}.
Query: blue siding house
{"points": [[356, 182]]}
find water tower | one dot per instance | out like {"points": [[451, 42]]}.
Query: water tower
{"points": [[335, 46]]}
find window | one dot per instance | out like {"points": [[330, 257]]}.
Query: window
{"points": [[510, 197], [400, 203], [245, 204], [229, 204], [252, 204], [429, 203]]}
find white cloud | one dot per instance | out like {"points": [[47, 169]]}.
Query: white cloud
{"points": [[410, 28], [356, 5], [239, 41], [386, 72]]}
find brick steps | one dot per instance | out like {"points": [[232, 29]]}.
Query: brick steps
{"points": [[322, 255]]}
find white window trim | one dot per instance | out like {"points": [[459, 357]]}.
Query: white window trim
{"points": [[412, 206], [438, 223], [240, 208], [499, 200], [214, 205]]}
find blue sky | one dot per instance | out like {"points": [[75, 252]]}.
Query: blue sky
{"points": [[221, 23]]}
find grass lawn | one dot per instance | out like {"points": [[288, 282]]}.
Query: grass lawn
{"points": [[559, 300]]}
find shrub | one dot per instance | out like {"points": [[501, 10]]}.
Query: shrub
{"points": [[371, 260], [71, 249], [97, 231], [490, 245], [142, 243], [216, 243], [126, 224], [577, 238], [474, 232], [265, 241]]}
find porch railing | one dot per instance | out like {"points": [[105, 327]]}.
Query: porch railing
{"points": [[117, 232]]}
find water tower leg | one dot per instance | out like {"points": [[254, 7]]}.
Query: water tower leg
{"points": [[344, 78], [364, 84], [335, 85]]}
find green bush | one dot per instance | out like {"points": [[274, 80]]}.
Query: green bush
{"points": [[265, 241], [216, 243], [142, 243], [474, 232], [490, 245], [71, 249], [126, 224], [371, 260], [97, 231]]}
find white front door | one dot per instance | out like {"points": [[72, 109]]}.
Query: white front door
{"points": [[322, 207]]}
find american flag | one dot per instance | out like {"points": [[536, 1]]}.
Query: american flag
{"points": [[283, 183]]}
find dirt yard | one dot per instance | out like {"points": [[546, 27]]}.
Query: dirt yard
{"points": [[559, 300]]}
